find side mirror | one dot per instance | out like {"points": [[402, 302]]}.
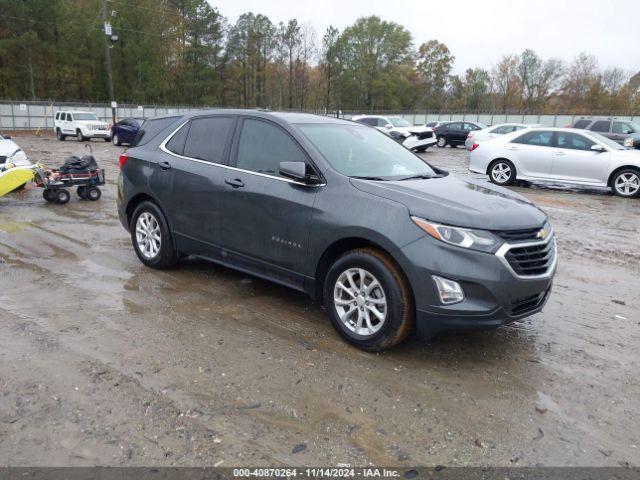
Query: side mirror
{"points": [[294, 170], [598, 148], [388, 126]]}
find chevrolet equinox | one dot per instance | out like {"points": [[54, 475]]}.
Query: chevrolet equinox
{"points": [[386, 242]]}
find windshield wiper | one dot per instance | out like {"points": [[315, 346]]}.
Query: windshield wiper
{"points": [[369, 178], [416, 177]]}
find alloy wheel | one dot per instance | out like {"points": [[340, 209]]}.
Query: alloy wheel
{"points": [[501, 172], [148, 236], [627, 184], [360, 301]]}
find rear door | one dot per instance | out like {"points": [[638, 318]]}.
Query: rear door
{"points": [[602, 126], [191, 179], [266, 217], [531, 153], [574, 161]]}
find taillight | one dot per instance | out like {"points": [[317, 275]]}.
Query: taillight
{"points": [[123, 159], [475, 145]]}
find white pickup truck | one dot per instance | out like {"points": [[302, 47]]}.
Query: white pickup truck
{"points": [[82, 125]]}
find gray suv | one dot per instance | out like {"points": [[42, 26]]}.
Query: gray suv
{"points": [[617, 130], [388, 243]]}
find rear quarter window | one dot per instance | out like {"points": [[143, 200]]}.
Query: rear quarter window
{"points": [[151, 128], [601, 126]]}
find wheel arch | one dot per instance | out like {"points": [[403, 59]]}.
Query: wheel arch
{"points": [[344, 245], [618, 170]]}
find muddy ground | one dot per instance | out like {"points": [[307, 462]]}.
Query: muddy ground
{"points": [[104, 361]]}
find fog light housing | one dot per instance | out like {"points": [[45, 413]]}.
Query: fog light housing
{"points": [[450, 292]]}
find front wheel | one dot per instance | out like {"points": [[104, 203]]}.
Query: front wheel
{"points": [[151, 238], [626, 183], [502, 172], [368, 300], [79, 136]]}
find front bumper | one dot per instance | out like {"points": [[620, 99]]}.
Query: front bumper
{"points": [[494, 294], [96, 133], [414, 142]]}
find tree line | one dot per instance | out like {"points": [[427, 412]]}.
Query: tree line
{"points": [[185, 52]]}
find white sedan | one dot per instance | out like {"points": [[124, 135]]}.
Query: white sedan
{"points": [[559, 155], [494, 131], [12, 153]]}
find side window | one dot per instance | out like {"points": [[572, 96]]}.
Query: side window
{"points": [[176, 144], [369, 121], [382, 122], [622, 127], [581, 124], [601, 126], [69, 117], [57, 115], [208, 137], [503, 129], [540, 138], [63, 117], [263, 146], [573, 141]]}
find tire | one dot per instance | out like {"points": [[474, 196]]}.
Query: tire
{"points": [[79, 136], [116, 140], [502, 172], [397, 311], [93, 193], [49, 195], [166, 255], [62, 196], [626, 183], [60, 135], [422, 149], [442, 142], [82, 192], [107, 139]]}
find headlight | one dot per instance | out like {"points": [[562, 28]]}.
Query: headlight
{"points": [[480, 240], [628, 142]]}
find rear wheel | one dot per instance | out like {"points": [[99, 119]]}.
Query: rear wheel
{"points": [[82, 192], [422, 149], [442, 142], [49, 195], [60, 135], [626, 183], [93, 193], [116, 140], [368, 300], [502, 172], [151, 238], [62, 196]]}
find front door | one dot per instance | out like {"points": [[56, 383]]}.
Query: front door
{"points": [[265, 216], [574, 161]]}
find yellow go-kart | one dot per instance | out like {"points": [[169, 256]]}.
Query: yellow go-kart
{"points": [[13, 177]]}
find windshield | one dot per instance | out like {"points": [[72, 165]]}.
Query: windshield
{"points": [[635, 126], [607, 141], [85, 116], [399, 122], [358, 151]]}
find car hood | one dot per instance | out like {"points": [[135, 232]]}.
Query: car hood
{"points": [[456, 201], [414, 129], [7, 147]]}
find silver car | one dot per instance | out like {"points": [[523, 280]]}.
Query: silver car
{"points": [[493, 132], [559, 155]]}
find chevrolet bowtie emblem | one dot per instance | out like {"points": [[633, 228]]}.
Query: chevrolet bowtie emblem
{"points": [[542, 233]]}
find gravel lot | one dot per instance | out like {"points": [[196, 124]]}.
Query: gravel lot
{"points": [[104, 361]]}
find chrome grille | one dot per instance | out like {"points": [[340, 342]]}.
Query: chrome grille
{"points": [[531, 259]]}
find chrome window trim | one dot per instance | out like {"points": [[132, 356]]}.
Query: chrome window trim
{"points": [[502, 251], [163, 147]]}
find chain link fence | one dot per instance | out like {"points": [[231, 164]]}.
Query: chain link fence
{"points": [[23, 115]]}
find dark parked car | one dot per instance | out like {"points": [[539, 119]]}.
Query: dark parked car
{"points": [[455, 133], [617, 130], [340, 211], [125, 130]]}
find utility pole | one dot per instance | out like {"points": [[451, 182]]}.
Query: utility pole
{"points": [[107, 58]]}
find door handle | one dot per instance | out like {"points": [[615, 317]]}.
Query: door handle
{"points": [[560, 153], [165, 165], [234, 182], [512, 148]]}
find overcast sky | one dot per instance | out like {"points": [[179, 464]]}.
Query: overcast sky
{"points": [[479, 32]]}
